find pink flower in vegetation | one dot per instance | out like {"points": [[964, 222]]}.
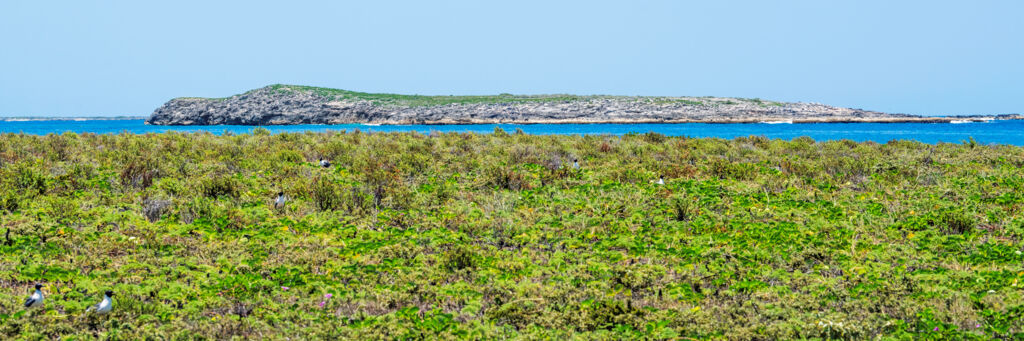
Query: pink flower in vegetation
{"points": [[327, 296], [322, 303], [977, 325], [284, 288], [936, 329]]}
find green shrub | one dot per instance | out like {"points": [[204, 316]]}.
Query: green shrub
{"points": [[29, 180], [290, 156], [326, 195], [138, 174], [652, 137], [9, 200], [260, 131], [505, 177], [459, 258], [220, 186], [684, 209], [956, 222]]}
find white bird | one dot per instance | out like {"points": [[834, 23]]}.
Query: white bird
{"points": [[324, 163], [279, 202], [661, 180], [104, 306], [36, 300], [575, 165]]}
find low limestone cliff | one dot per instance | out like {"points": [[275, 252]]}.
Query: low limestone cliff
{"points": [[290, 104]]}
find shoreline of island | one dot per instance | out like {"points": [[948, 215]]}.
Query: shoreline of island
{"points": [[923, 119]]}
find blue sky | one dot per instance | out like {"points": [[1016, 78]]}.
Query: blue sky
{"points": [[86, 58]]}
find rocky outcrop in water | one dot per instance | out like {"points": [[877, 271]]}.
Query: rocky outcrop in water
{"points": [[281, 105]]}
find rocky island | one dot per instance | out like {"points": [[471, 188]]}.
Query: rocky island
{"points": [[293, 104]]}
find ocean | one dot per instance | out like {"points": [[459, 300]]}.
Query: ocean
{"points": [[994, 132]]}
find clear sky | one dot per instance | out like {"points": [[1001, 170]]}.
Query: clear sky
{"points": [[87, 58]]}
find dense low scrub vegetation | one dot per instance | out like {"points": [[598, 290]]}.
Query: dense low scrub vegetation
{"points": [[498, 236], [422, 100], [385, 99]]}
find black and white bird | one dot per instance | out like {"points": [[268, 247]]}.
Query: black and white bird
{"points": [[661, 180], [575, 164], [104, 306], [36, 300], [325, 163], [279, 202]]}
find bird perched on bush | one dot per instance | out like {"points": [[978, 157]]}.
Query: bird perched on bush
{"points": [[104, 306], [279, 202], [36, 299], [324, 163]]}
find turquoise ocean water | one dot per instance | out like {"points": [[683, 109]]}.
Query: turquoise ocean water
{"points": [[995, 132]]}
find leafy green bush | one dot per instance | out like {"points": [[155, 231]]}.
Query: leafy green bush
{"points": [[327, 194], [290, 156], [217, 186], [138, 174], [459, 258], [506, 177], [28, 179], [955, 222]]}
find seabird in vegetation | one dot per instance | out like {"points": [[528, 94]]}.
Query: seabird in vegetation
{"points": [[104, 306], [661, 180], [279, 202], [324, 163], [36, 300], [575, 164]]}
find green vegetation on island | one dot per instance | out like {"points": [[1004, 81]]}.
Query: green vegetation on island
{"points": [[494, 236], [424, 101], [386, 99]]}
